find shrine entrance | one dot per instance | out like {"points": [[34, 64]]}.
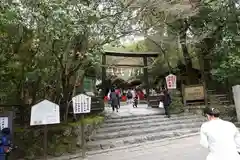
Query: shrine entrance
{"points": [[143, 56]]}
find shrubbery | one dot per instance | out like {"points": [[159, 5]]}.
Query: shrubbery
{"points": [[62, 138]]}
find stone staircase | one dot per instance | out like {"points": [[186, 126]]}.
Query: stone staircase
{"points": [[218, 98], [120, 131]]}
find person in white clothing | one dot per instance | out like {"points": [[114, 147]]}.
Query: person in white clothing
{"points": [[220, 137], [133, 95]]}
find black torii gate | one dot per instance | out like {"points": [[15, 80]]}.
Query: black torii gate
{"points": [[143, 55]]}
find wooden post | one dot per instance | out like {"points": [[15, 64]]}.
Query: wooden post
{"points": [[145, 72], [103, 75], [45, 142], [183, 95], [83, 136], [205, 94], [203, 78]]}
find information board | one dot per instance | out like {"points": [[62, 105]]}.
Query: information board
{"points": [[81, 104], [192, 93], [44, 113], [3, 122]]}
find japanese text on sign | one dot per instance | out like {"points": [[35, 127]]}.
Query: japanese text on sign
{"points": [[81, 104], [171, 81], [3, 122], [44, 113]]}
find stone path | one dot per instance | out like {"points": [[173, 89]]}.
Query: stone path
{"points": [[128, 110], [137, 125], [182, 149], [142, 133]]}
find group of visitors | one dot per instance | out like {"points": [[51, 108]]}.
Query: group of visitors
{"points": [[132, 97], [222, 138], [114, 98]]}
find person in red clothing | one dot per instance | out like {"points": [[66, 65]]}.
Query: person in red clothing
{"points": [[135, 101], [118, 92], [124, 98], [141, 95]]}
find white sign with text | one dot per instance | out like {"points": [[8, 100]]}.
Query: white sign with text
{"points": [[81, 104], [3, 122], [44, 113], [171, 81]]}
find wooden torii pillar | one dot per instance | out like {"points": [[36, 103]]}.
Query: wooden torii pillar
{"points": [[104, 75], [145, 73]]}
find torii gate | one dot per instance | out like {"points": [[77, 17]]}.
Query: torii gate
{"points": [[143, 55]]}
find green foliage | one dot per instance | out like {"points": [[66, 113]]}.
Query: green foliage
{"points": [[89, 120], [48, 47], [228, 69], [177, 105], [62, 138]]}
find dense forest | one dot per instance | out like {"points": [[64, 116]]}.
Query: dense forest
{"points": [[48, 47]]}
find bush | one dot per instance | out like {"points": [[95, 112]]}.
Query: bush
{"points": [[62, 138], [177, 105]]}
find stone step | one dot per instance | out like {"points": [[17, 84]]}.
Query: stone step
{"points": [[146, 117], [118, 142], [224, 102], [219, 95], [146, 124], [132, 116], [139, 131]]}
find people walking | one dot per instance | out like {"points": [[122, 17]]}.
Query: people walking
{"points": [[129, 96], [221, 137], [118, 92], [114, 100], [135, 101], [166, 102], [133, 95], [109, 99]]}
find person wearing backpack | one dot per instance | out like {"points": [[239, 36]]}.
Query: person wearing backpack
{"points": [[114, 100], [6, 145], [129, 96]]}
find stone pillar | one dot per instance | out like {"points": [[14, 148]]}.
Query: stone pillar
{"points": [[236, 96]]}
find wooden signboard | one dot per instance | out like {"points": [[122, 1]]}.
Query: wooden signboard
{"points": [[193, 94]]}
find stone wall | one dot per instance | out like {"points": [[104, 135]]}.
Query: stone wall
{"points": [[236, 95]]}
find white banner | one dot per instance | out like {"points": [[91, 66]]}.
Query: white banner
{"points": [[81, 104], [171, 81]]}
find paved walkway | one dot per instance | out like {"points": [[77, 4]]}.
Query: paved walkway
{"points": [[127, 110], [180, 149]]}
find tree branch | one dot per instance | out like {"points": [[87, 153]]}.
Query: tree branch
{"points": [[55, 54]]}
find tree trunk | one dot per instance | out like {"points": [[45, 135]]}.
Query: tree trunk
{"points": [[183, 42], [66, 94]]}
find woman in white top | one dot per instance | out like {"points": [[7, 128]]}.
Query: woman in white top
{"points": [[221, 137]]}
